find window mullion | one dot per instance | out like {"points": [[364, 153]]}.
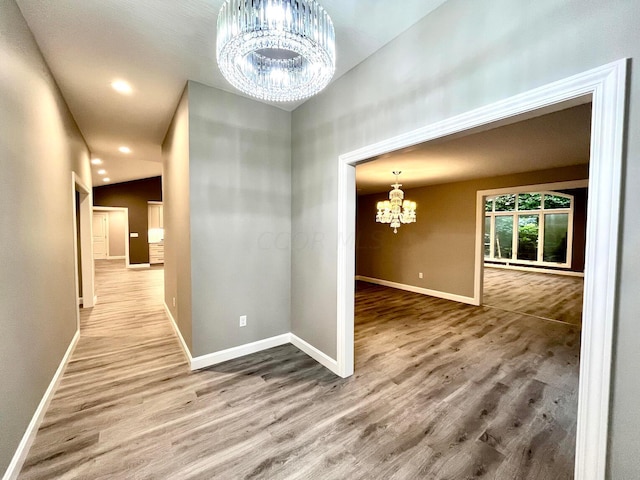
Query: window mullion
{"points": [[492, 228], [540, 235], [514, 240]]}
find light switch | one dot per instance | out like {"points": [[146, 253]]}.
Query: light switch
{"points": [[134, 235]]}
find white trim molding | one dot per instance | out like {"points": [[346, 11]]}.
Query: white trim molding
{"points": [[320, 357], [174, 324], [139, 265], [423, 291], [85, 245], [214, 358], [20, 455], [124, 210], [546, 271], [606, 87], [203, 361]]}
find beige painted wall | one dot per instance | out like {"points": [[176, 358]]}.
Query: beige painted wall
{"points": [[116, 234], [177, 229], [441, 244], [40, 145]]}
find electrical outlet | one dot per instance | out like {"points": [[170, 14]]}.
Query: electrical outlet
{"points": [[243, 321], [174, 301], [420, 275]]}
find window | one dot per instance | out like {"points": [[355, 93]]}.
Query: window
{"points": [[533, 228]]}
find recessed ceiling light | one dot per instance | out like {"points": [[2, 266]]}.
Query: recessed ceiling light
{"points": [[106, 179], [96, 161], [121, 86], [125, 149], [102, 171]]}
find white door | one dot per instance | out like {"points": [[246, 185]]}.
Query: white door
{"points": [[100, 235]]}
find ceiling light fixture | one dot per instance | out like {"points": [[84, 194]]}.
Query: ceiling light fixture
{"points": [[121, 86], [124, 149], [96, 161], [106, 179], [395, 211], [102, 171], [276, 50]]}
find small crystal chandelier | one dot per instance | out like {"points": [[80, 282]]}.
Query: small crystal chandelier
{"points": [[396, 211], [276, 50]]}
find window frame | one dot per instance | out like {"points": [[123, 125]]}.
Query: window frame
{"points": [[541, 212]]}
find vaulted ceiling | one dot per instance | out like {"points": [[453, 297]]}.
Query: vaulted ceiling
{"points": [[156, 46]]}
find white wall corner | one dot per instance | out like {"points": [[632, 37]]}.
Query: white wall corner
{"points": [[13, 470], [320, 357]]}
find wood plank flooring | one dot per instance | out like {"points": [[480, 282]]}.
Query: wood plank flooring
{"points": [[441, 391], [556, 297]]}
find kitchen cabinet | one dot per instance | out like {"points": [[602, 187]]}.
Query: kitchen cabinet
{"points": [[155, 215]]}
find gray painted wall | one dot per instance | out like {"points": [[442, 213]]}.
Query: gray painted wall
{"points": [[40, 145], [466, 54], [240, 199], [227, 207], [177, 229]]}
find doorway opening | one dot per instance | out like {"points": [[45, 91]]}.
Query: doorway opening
{"points": [[111, 233], [84, 273], [606, 87]]}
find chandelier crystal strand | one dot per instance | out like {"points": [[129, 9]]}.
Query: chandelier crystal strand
{"points": [[276, 50], [396, 210]]}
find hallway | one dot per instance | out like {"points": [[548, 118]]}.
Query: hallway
{"points": [[129, 407], [126, 353]]}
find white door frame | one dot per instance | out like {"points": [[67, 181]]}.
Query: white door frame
{"points": [[606, 86], [86, 242], [126, 228]]}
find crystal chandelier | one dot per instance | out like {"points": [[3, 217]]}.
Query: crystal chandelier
{"points": [[276, 50], [396, 210]]}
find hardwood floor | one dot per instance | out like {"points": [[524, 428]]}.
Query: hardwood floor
{"points": [[441, 391], [556, 297]]}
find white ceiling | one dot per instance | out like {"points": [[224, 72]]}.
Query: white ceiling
{"points": [[157, 45], [553, 140]]}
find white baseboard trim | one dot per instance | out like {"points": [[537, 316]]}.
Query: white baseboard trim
{"points": [[214, 358], [178, 333], [203, 361], [81, 300], [30, 434], [139, 265], [567, 273], [424, 291], [320, 357]]}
